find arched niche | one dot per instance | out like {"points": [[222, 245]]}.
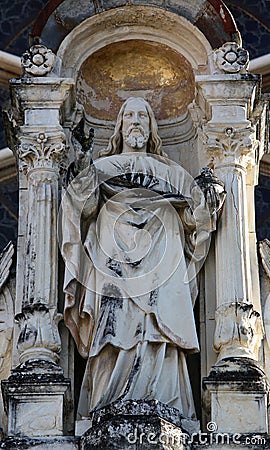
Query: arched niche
{"points": [[138, 51], [129, 23]]}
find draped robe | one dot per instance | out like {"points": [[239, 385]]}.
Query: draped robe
{"points": [[135, 231]]}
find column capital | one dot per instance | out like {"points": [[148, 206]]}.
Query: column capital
{"points": [[231, 146], [41, 150]]}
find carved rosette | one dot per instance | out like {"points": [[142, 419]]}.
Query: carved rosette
{"points": [[238, 331], [39, 336], [231, 146], [231, 58], [38, 60], [41, 151]]}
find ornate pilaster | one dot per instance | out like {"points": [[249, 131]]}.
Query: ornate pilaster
{"points": [[232, 151], [231, 137], [40, 148], [40, 157]]}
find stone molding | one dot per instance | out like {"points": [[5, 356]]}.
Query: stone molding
{"points": [[132, 22]]}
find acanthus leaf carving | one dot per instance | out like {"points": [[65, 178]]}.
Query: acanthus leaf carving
{"points": [[231, 145], [41, 151]]}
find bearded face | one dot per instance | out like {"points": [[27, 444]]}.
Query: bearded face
{"points": [[135, 126], [135, 137]]}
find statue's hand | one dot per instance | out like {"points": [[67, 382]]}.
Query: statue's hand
{"points": [[83, 150], [83, 147], [83, 156], [213, 189]]}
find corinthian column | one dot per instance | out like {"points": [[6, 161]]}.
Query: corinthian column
{"points": [[238, 326], [37, 393], [40, 156], [233, 139]]}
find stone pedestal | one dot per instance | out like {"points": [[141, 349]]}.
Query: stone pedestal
{"points": [[236, 393], [129, 425], [37, 400]]}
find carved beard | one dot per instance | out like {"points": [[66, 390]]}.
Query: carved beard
{"points": [[135, 137]]}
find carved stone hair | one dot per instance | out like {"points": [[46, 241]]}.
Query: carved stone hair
{"points": [[116, 141]]}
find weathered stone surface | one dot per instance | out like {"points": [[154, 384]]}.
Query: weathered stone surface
{"points": [[235, 394], [37, 400], [127, 433], [242, 370], [138, 424], [144, 408], [230, 139]]}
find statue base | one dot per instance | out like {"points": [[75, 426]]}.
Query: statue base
{"points": [[138, 424], [235, 396], [37, 400]]}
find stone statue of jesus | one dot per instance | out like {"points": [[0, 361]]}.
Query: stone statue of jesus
{"points": [[135, 231]]}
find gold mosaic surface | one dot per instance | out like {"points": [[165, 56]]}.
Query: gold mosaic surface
{"points": [[135, 68]]}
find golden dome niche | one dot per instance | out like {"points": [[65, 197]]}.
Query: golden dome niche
{"points": [[135, 68]]}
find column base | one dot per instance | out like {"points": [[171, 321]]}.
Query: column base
{"points": [[235, 396], [138, 424], [37, 400]]}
